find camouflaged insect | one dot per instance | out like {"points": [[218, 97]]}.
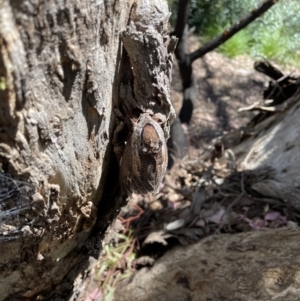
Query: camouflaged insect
{"points": [[144, 96], [145, 158]]}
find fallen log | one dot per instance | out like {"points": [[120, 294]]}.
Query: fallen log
{"points": [[269, 144], [243, 267]]}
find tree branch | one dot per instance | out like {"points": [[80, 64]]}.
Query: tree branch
{"points": [[227, 34], [266, 68]]}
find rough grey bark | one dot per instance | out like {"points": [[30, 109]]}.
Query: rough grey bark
{"points": [[59, 82], [243, 267]]}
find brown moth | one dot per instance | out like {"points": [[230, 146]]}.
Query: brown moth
{"points": [[145, 158]]}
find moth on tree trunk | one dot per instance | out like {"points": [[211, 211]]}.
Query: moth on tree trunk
{"points": [[145, 98]]}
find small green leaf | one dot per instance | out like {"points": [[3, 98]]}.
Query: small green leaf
{"points": [[2, 83]]}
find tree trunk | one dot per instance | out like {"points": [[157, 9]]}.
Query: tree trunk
{"points": [[60, 72], [189, 90], [184, 62]]}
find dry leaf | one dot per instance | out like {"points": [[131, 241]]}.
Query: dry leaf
{"points": [[157, 237], [175, 224], [217, 217]]}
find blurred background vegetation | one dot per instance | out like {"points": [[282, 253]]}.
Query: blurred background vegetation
{"points": [[276, 36]]}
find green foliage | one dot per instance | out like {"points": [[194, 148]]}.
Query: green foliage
{"points": [[212, 31], [2, 83], [115, 264], [270, 46], [237, 45], [293, 59], [276, 35]]}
